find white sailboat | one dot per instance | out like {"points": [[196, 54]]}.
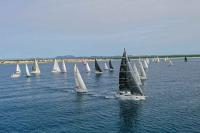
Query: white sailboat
{"points": [[35, 68], [170, 63], [17, 72], [88, 68], [64, 69], [27, 71], [80, 85], [105, 66], [143, 75], [56, 68]]}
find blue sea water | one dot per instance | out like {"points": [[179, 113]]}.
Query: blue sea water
{"points": [[48, 103]]}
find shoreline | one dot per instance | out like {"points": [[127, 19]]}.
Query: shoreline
{"points": [[46, 61]]}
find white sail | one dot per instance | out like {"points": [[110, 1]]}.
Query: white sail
{"points": [[145, 65], [64, 69], [136, 74], [18, 70], [142, 71], [170, 63], [56, 68], [105, 66], [147, 60], [36, 69], [88, 67], [80, 85], [27, 71]]}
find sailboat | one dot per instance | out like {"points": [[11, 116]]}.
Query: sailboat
{"points": [[97, 68], [27, 71], [80, 85], [105, 66], [129, 89], [111, 66], [56, 68], [88, 67], [170, 63], [17, 72], [35, 68], [143, 75], [64, 69], [186, 60]]}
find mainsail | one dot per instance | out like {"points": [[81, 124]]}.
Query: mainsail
{"points": [[80, 85], [145, 65], [143, 75], [97, 68], [35, 68], [105, 66], [64, 69], [127, 81], [110, 65], [18, 70], [88, 67], [27, 71], [137, 75], [56, 67]]}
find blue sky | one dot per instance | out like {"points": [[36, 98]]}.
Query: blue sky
{"points": [[47, 28]]}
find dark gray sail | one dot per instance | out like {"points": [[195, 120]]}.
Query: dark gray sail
{"points": [[127, 81], [110, 65], [186, 59], [97, 68]]}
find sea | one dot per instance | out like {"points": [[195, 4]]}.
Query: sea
{"points": [[49, 104]]}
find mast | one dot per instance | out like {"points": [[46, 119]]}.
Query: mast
{"points": [[97, 68], [127, 82]]}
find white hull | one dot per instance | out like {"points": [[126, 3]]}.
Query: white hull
{"points": [[130, 97], [34, 72], [98, 72], [55, 71], [15, 75], [80, 91]]}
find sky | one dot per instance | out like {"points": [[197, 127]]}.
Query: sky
{"points": [[49, 28]]}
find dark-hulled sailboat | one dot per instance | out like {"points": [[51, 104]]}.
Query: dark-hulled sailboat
{"points": [[111, 66], [186, 60], [129, 89], [97, 68]]}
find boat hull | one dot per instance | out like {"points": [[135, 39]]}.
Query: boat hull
{"points": [[130, 97], [81, 91], [98, 72], [15, 75]]}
